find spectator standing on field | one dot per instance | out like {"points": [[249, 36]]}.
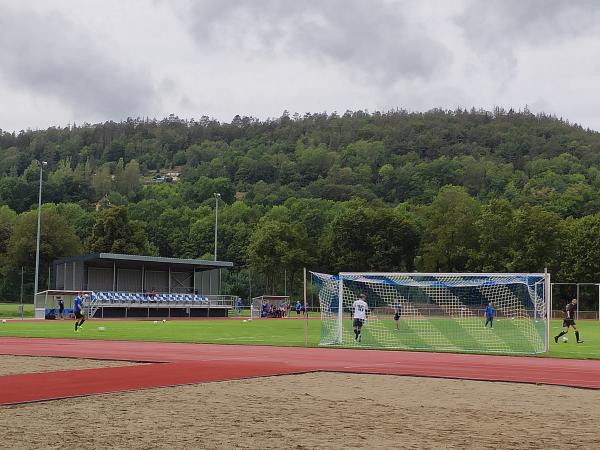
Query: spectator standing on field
{"points": [[61, 307]]}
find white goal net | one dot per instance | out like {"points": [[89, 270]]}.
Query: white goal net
{"points": [[445, 312]]}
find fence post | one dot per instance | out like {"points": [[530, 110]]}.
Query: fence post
{"points": [[305, 313]]}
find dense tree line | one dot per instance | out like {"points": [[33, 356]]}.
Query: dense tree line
{"points": [[397, 191]]}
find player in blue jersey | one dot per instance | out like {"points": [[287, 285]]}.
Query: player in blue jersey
{"points": [[490, 312], [78, 311]]}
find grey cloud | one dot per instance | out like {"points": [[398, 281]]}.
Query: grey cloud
{"points": [[494, 28], [47, 55], [535, 22], [369, 38]]}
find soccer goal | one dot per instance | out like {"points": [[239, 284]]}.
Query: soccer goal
{"points": [[433, 311], [270, 306]]}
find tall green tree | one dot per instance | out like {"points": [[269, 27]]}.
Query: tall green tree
{"points": [[450, 237], [361, 238], [536, 240], [7, 223], [581, 249], [113, 232], [102, 181], [495, 230], [57, 240], [277, 243]]}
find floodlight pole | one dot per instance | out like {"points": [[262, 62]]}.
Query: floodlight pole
{"points": [[217, 197], [37, 247]]}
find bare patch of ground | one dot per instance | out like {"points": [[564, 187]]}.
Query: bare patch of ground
{"points": [[319, 410]]}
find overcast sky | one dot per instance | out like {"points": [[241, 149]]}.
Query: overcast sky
{"points": [[65, 61]]}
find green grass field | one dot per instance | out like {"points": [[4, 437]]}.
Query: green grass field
{"points": [[12, 310], [284, 332]]}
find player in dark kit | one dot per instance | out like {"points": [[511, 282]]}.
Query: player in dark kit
{"points": [[397, 314], [569, 321]]}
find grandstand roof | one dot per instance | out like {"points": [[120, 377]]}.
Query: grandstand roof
{"points": [[110, 258]]}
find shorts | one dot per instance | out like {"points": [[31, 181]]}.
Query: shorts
{"points": [[78, 315], [61, 310], [568, 323], [359, 322]]}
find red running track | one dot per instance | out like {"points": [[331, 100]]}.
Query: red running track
{"points": [[176, 364]]}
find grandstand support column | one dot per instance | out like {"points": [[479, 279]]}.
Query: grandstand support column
{"points": [[143, 277], [114, 276], [193, 283], [169, 280]]}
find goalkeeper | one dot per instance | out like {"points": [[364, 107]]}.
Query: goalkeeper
{"points": [[359, 314], [490, 311]]}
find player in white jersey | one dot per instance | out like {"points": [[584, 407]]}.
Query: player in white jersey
{"points": [[359, 313]]}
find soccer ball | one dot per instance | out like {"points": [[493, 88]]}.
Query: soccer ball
{"points": [[3, 320], [101, 328], [155, 322], [164, 320], [565, 339]]}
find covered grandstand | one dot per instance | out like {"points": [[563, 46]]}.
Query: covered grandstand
{"points": [[139, 286]]}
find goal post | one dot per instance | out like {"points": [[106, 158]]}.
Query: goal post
{"points": [[435, 311], [269, 306]]}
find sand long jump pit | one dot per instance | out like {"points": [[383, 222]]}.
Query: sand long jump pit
{"points": [[314, 410], [12, 365]]}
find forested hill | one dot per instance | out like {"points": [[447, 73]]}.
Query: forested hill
{"points": [[439, 191]]}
